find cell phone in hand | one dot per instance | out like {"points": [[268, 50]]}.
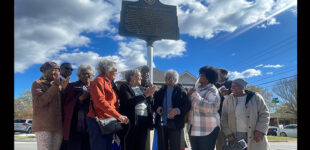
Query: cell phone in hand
{"points": [[222, 88]]}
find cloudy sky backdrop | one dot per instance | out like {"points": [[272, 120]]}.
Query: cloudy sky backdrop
{"points": [[253, 39]]}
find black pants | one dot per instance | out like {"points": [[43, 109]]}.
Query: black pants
{"points": [[122, 135], [135, 139], [78, 142], [169, 139], [204, 142]]}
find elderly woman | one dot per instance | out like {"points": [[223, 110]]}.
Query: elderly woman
{"points": [[76, 108], [171, 104], [46, 99], [204, 118], [245, 116], [133, 103], [105, 102]]}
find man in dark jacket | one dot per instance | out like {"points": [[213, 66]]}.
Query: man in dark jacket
{"points": [[171, 103]]}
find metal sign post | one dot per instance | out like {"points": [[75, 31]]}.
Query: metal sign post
{"points": [[150, 59], [276, 101], [149, 20]]}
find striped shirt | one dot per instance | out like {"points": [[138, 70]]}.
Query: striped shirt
{"points": [[204, 116]]}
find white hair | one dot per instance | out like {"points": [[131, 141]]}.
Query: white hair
{"points": [[104, 65], [131, 73], [174, 74], [83, 68]]}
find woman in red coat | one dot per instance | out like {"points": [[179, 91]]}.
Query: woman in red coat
{"points": [[76, 105]]}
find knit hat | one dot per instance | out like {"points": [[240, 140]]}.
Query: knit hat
{"points": [[48, 65], [241, 82]]}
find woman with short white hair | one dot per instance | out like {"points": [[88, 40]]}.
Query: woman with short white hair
{"points": [[105, 103], [134, 104], [171, 104], [171, 77], [76, 105]]}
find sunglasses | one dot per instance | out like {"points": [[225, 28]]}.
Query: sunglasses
{"points": [[67, 68]]}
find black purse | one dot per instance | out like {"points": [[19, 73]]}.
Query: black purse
{"points": [[108, 125]]}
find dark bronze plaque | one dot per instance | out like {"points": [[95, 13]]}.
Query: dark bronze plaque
{"points": [[149, 20]]}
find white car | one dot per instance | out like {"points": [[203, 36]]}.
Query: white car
{"points": [[23, 125], [289, 130]]}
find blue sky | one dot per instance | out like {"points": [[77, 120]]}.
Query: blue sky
{"points": [[255, 40]]}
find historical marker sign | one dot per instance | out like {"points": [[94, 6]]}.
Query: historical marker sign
{"points": [[149, 20]]}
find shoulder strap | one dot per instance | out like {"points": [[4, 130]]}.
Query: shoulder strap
{"points": [[92, 105]]}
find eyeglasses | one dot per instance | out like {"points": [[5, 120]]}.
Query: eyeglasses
{"points": [[114, 70], [87, 73], [67, 68]]}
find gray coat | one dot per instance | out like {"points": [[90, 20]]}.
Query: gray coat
{"points": [[258, 118]]}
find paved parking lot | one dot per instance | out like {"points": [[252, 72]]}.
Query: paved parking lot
{"points": [[283, 145], [273, 145], [32, 144]]}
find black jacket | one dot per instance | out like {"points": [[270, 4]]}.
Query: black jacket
{"points": [[227, 84], [179, 100], [128, 101]]}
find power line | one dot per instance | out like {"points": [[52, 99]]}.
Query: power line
{"points": [[275, 80], [264, 59], [276, 84], [291, 70], [259, 53]]}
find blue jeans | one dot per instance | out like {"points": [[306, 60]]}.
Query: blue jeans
{"points": [[204, 142], [96, 139]]}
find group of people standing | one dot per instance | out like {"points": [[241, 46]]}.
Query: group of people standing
{"points": [[213, 112]]}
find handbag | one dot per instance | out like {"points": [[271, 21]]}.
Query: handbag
{"points": [[235, 145], [108, 125]]}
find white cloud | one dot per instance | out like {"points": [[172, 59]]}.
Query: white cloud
{"points": [[204, 19], [90, 58], [279, 4], [269, 73], [272, 21], [42, 29], [269, 66], [262, 26], [76, 50], [169, 48], [273, 66], [245, 74], [134, 52], [130, 54], [45, 29]]}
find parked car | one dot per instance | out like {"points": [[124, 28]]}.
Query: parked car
{"points": [[23, 125], [272, 130], [289, 130]]}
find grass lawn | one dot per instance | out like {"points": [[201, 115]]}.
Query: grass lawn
{"points": [[280, 138], [16, 137]]}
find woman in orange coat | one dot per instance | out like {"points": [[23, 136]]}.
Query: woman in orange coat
{"points": [[105, 103]]}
